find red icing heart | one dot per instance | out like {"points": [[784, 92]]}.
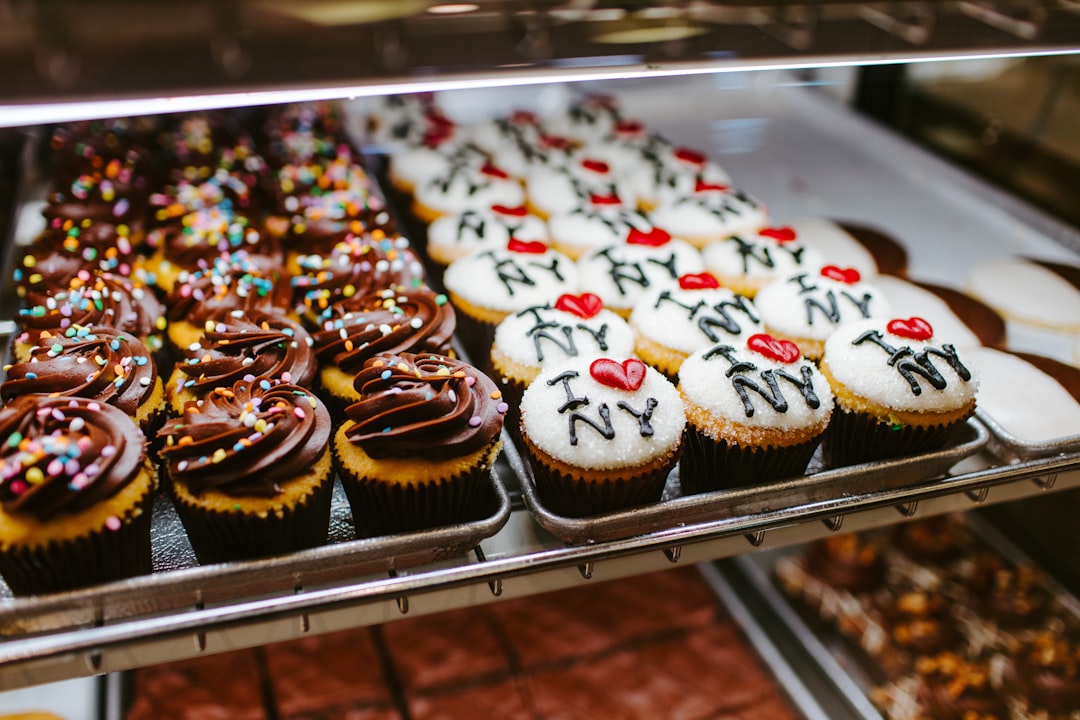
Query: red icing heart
{"points": [[625, 376], [913, 328], [602, 102], [519, 211], [523, 117], [698, 281], [783, 351], [533, 247], [702, 186], [493, 171], [604, 199], [597, 166], [629, 126], [844, 275], [555, 142], [585, 305], [653, 238], [690, 156], [779, 234]]}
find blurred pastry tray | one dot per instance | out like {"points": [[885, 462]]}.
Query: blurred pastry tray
{"points": [[1013, 449], [836, 654], [178, 581], [676, 510]]}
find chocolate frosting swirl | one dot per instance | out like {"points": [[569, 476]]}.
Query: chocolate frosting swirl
{"points": [[392, 321], [93, 299], [250, 283], [248, 347], [98, 363], [201, 236], [62, 455], [423, 405], [358, 265], [246, 440], [65, 247], [116, 196]]}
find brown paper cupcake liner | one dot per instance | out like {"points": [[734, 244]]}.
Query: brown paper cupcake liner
{"points": [[572, 496], [102, 556], [222, 536], [854, 438], [382, 508], [476, 338], [709, 464]]}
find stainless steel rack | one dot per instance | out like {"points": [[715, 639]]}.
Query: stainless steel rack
{"points": [[790, 142]]}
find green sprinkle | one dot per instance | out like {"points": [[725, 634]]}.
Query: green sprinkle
{"points": [[14, 439], [440, 299]]}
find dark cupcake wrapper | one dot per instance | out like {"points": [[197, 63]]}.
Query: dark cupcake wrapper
{"points": [[476, 338], [382, 508], [709, 464], [102, 556], [222, 536], [571, 496], [855, 438]]}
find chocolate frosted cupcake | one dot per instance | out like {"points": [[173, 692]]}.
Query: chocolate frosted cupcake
{"points": [[250, 471], [237, 346], [97, 363], [416, 450], [75, 495], [602, 435], [394, 321], [899, 390], [63, 250], [755, 413], [92, 299]]}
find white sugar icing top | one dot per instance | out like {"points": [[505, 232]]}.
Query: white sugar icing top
{"points": [[586, 120], [414, 165], [691, 320], [563, 412], [927, 376], [583, 181], [759, 258], [585, 228], [396, 120], [711, 215], [466, 188], [925, 304], [460, 234], [835, 244], [621, 273], [1027, 292], [671, 173], [810, 305], [745, 387], [1022, 399], [542, 335], [494, 135], [507, 281]]}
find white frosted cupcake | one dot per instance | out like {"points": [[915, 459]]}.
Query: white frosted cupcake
{"points": [[899, 390], [621, 273], [412, 166], [807, 307], [582, 229], [755, 413], [463, 188], [747, 263], [711, 213], [671, 323], [488, 286], [452, 237], [602, 434], [671, 173], [583, 182]]}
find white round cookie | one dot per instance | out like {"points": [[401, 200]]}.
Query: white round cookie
{"points": [[621, 273], [561, 416], [1026, 292], [859, 356]]}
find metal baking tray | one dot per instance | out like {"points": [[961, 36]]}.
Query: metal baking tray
{"points": [[178, 581], [836, 655], [676, 510]]}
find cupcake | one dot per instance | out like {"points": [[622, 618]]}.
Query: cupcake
{"points": [[574, 326], [671, 323], [97, 363], [952, 687], [238, 346], [748, 262], [1047, 670], [755, 413], [585, 182], [621, 273], [601, 434], [586, 228], [463, 188], [488, 286], [75, 495], [851, 562], [899, 390], [394, 320], [807, 307], [670, 173], [65, 249], [249, 470], [711, 213], [452, 237], [416, 451]]}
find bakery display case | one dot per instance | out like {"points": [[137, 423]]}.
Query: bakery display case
{"points": [[764, 87]]}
